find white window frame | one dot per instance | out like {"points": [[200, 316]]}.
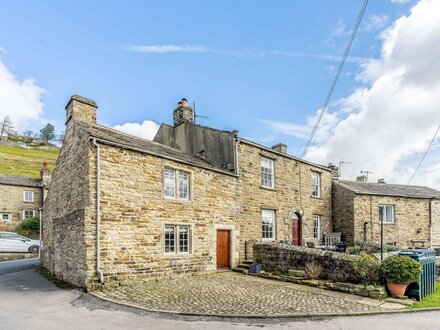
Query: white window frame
{"points": [[384, 207], [176, 184], [176, 240], [24, 214], [9, 220], [316, 187], [268, 214], [316, 226], [31, 200], [267, 171]]}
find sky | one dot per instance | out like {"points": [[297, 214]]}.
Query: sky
{"points": [[263, 68]]}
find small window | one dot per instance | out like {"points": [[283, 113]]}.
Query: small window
{"points": [[28, 196], [316, 184], [179, 243], [5, 217], [267, 173], [386, 213], [176, 184], [268, 224], [316, 226], [28, 214]]}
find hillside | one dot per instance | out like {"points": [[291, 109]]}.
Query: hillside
{"points": [[15, 160]]}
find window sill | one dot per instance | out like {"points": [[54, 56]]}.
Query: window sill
{"points": [[388, 223], [268, 239], [177, 200], [315, 197], [177, 255], [268, 188]]}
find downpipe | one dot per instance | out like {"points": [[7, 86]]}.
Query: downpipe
{"points": [[98, 212]]}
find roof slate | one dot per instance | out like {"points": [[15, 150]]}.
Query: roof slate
{"points": [[19, 181], [117, 137], [385, 189]]}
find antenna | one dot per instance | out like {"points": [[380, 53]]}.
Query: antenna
{"points": [[342, 162], [195, 113], [366, 172]]}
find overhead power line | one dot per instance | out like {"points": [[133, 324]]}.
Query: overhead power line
{"points": [[424, 155], [335, 79]]}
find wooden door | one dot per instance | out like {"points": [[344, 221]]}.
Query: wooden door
{"points": [[296, 231], [223, 255]]}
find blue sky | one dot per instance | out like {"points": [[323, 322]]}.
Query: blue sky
{"points": [[249, 65]]}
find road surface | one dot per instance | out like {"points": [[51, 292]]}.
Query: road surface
{"points": [[7, 267]]}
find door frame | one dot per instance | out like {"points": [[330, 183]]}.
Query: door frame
{"points": [[300, 219], [229, 247]]}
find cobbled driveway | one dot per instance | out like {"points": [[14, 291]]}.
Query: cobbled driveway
{"points": [[233, 294]]}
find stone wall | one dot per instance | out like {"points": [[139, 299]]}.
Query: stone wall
{"points": [[411, 225], [337, 267], [292, 193], [11, 201], [343, 212], [435, 218]]}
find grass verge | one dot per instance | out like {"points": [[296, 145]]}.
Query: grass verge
{"points": [[433, 300]]}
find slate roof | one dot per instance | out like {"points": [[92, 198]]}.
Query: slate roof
{"points": [[385, 189], [12, 180], [117, 137]]}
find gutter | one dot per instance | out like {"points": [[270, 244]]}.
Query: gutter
{"points": [[98, 213]]}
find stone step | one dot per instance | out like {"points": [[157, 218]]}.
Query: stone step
{"points": [[243, 266], [247, 262], [297, 273], [240, 270]]}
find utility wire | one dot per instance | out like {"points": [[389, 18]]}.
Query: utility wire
{"points": [[335, 79], [424, 155]]}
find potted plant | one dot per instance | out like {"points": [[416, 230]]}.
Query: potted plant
{"points": [[399, 271]]}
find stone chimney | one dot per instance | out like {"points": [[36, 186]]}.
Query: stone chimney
{"points": [[335, 171], [361, 178], [81, 109], [381, 181], [183, 113], [280, 147], [45, 179]]}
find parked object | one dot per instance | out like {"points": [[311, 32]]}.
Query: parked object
{"points": [[12, 242], [255, 268], [332, 238], [426, 281], [399, 272]]}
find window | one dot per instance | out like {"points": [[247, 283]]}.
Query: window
{"points": [[316, 184], [317, 226], [386, 213], [28, 196], [268, 224], [12, 236], [5, 217], [28, 214], [177, 243], [267, 173], [176, 181]]}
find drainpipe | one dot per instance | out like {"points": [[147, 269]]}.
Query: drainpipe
{"points": [[40, 215], [98, 214]]}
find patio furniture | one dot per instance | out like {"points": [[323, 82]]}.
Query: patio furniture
{"points": [[332, 238], [312, 243]]}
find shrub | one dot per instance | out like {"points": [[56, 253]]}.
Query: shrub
{"points": [[354, 249], [313, 270], [29, 227], [401, 270], [367, 268]]}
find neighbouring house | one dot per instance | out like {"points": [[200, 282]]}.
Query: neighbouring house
{"points": [[21, 197], [193, 200], [410, 214]]}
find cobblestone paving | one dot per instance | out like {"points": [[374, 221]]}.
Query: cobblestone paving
{"points": [[229, 293]]}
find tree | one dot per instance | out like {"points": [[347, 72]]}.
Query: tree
{"points": [[60, 138], [6, 126], [28, 133], [48, 132]]}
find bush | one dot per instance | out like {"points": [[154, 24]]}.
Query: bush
{"points": [[313, 270], [354, 249], [367, 268], [29, 227], [401, 270]]}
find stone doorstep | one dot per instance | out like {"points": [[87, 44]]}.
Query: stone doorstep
{"points": [[406, 302]]}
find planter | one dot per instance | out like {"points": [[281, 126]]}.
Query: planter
{"points": [[396, 289]]}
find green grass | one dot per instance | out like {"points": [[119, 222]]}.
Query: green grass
{"points": [[25, 162], [433, 300]]}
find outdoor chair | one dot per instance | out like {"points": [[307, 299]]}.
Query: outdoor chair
{"points": [[332, 238]]}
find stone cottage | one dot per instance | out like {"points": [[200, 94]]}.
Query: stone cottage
{"points": [[410, 214], [193, 200], [21, 197]]}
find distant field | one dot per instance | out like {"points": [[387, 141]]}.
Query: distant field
{"points": [[25, 162]]}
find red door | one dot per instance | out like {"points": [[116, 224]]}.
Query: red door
{"points": [[223, 255], [296, 231]]}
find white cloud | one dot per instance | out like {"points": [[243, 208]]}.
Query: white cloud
{"points": [[386, 126], [400, 1], [162, 49], [339, 29], [374, 22], [20, 100], [146, 130], [2, 50]]}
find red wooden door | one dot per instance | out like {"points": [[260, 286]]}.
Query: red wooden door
{"points": [[296, 232], [223, 255]]}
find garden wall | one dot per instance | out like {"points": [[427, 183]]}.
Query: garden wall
{"points": [[274, 256]]}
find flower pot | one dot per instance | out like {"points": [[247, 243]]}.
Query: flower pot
{"points": [[396, 289]]}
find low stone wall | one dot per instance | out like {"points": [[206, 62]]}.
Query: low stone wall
{"points": [[274, 256]]}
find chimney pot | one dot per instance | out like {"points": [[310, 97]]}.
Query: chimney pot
{"points": [[81, 109], [183, 113], [280, 147], [361, 178], [381, 181]]}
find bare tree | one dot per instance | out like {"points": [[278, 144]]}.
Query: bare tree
{"points": [[28, 133], [6, 126]]}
